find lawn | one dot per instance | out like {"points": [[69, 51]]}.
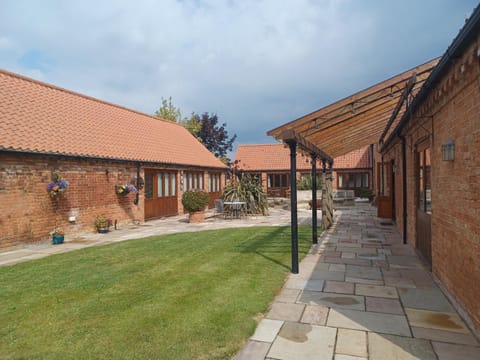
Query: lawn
{"points": [[180, 296]]}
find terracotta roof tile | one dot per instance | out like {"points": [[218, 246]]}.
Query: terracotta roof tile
{"points": [[270, 157], [38, 117]]}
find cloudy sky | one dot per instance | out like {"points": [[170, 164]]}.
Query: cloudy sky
{"points": [[256, 64]]}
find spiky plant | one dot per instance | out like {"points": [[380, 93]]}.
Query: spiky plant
{"points": [[247, 189]]}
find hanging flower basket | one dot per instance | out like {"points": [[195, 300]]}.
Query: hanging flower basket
{"points": [[124, 190], [57, 186]]}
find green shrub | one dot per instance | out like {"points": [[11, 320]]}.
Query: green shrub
{"points": [[305, 183], [195, 200]]}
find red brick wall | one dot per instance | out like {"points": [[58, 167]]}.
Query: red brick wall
{"points": [[29, 213], [451, 112]]}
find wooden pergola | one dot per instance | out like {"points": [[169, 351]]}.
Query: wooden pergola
{"points": [[370, 116]]}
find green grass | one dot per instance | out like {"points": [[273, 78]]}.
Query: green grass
{"points": [[181, 296]]}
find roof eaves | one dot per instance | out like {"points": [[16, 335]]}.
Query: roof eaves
{"points": [[458, 45]]}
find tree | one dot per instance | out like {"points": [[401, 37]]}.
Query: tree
{"points": [[193, 124], [168, 111], [214, 136]]}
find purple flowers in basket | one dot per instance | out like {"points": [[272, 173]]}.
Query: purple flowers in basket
{"points": [[126, 189], [57, 187]]}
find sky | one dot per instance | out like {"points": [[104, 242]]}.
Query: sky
{"points": [[256, 64]]}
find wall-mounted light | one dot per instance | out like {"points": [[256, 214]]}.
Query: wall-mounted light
{"points": [[448, 151], [107, 170]]}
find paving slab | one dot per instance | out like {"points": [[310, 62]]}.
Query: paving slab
{"points": [[399, 282], [363, 272], [288, 295], [383, 347], [444, 336], [314, 285], [339, 287], [351, 342], [448, 321], [303, 341], [285, 311], [455, 352], [327, 275], [383, 305], [254, 350], [404, 261], [376, 291], [348, 357], [267, 330], [369, 321], [315, 314], [425, 298], [333, 300]]}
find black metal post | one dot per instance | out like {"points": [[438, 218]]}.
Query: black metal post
{"points": [[293, 204], [404, 187], [324, 193], [314, 199]]}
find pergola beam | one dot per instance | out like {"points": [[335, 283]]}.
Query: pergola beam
{"points": [[289, 136]]}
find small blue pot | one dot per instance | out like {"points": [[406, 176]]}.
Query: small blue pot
{"points": [[57, 239]]}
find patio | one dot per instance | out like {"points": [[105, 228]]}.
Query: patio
{"points": [[361, 294]]}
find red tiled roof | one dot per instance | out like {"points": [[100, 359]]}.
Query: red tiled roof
{"points": [[41, 118], [268, 157], [354, 159]]}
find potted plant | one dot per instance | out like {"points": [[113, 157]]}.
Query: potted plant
{"points": [[102, 224], [58, 236], [195, 203]]}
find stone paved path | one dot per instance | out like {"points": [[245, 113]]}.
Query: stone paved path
{"points": [[361, 294]]}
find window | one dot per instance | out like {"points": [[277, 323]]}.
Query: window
{"points": [[167, 184], [149, 185], [174, 185], [277, 180], [160, 185], [214, 182], [352, 180]]}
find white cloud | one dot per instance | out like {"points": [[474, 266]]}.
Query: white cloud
{"points": [[257, 64]]}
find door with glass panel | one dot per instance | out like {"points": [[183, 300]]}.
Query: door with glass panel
{"points": [[424, 204], [160, 193]]}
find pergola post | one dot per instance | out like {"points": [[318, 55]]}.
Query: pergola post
{"points": [[293, 204], [314, 199]]}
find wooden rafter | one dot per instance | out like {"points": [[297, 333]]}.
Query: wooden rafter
{"points": [[360, 119]]}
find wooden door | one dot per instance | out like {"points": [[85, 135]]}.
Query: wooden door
{"points": [[385, 198], [160, 193], [424, 206]]}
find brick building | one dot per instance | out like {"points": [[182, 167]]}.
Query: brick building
{"points": [[271, 163], [96, 146], [425, 123]]}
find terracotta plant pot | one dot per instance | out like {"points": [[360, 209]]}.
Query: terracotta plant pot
{"points": [[196, 217]]}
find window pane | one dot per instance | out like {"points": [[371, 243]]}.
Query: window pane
{"points": [[269, 181], [365, 180], [200, 182], [185, 182], [174, 185], [351, 180], [341, 181], [167, 184], [148, 185], [190, 182], [358, 179], [159, 184]]}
